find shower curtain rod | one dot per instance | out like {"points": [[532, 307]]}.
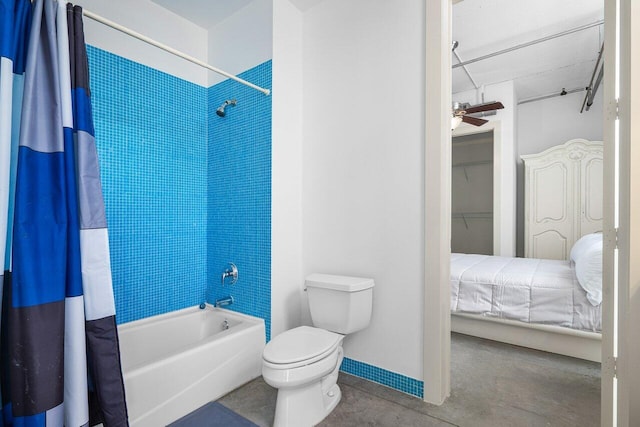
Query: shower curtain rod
{"points": [[169, 49]]}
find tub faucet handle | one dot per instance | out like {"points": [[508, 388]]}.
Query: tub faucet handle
{"points": [[231, 271]]}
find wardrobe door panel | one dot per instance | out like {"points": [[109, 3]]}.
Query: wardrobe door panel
{"points": [[591, 204], [550, 244], [550, 210]]}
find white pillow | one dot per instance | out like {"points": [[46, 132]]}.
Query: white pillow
{"points": [[583, 245], [588, 264]]}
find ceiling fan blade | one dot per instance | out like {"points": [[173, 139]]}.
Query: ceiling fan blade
{"points": [[474, 120], [484, 107]]}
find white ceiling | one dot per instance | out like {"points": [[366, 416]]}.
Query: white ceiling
{"points": [[482, 27], [209, 13], [204, 13], [485, 26]]}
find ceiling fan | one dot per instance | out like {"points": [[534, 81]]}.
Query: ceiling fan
{"points": [[461, 113]]}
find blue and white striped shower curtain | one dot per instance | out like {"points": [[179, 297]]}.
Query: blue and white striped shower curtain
{"points": [[58, 330]]}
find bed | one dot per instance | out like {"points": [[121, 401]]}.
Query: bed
{"points": [[551, 305]]}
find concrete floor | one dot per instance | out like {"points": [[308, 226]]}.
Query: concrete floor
{"points": [[492, 384]]}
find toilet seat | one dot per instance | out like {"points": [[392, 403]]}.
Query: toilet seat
{"points": [[299, 347]]}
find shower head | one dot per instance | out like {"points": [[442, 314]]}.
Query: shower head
{"points": [[220, 111]]}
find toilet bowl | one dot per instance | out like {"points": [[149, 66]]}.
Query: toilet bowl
{"points": [[303, 363]]}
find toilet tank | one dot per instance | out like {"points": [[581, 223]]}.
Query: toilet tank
{"points": [[339, 304]]}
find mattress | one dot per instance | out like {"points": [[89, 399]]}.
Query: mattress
{"points": [[524, 289]]}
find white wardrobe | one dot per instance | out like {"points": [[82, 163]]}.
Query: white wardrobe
{"points": [[563, 197]]}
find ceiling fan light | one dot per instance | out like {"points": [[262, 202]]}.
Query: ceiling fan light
{"points": [[455, 122]]}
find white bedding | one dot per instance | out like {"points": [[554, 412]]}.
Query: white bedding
{"points": [[525, 289]]}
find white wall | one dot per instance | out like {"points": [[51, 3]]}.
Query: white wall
{"points": [[286, 169], [153, 21], [554, 121], [543, 124], [505, 167], [363, 165], [243, 40], [238, 43]]}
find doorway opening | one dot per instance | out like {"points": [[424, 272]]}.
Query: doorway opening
{"points": [[540, 121], [472, 193]]}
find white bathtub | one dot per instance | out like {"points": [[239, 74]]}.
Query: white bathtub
{"points": [[176, 362]]}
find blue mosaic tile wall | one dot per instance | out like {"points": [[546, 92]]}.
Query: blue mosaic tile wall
{"points": [[382, 376], [187, 191], [239, 197], [151, 134]]}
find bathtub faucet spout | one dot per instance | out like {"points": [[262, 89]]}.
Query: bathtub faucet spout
{"points": [[221, 302]]}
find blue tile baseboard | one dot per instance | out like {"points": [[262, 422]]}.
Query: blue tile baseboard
{"points": [[382, 376]]}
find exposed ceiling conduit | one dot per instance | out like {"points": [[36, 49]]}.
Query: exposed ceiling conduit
{"points": [[530, 43], [453, 49], [593, 87], [592, 93], [552, 95]]}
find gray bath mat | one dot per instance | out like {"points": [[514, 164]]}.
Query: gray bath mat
{"points": [[213, 414]]}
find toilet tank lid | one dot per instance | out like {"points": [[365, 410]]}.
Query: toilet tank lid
{"points": [[338, 283]]}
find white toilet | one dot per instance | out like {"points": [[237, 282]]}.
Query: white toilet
{"points": [[303, 363]]}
